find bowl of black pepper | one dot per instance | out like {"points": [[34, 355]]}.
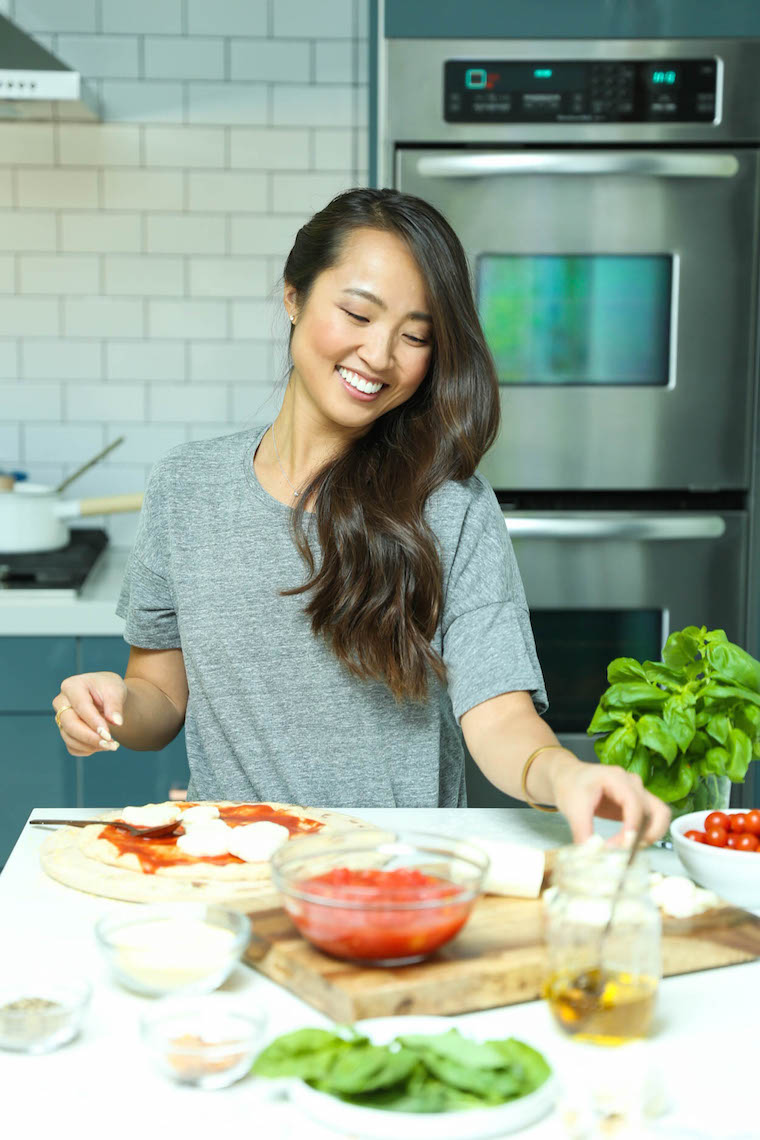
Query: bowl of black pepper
{"points": [[39, 1016]]}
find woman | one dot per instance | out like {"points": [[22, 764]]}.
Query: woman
{"points": [[331, 603]]}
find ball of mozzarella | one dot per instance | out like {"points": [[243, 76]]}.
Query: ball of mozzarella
{"points": [[201, 813], [151, 815], [210, 838], [254, 842]]}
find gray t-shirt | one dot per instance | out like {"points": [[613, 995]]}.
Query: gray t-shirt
{"points": [[272, 714]]}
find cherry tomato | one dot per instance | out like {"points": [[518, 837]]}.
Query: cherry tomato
{"points": [[753, 822], [746, 843], [697, 836], [739, 821], [718, 819], [716, 837], [732, 840]]}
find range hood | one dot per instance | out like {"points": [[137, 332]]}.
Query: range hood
{"points": [[36, 85]]}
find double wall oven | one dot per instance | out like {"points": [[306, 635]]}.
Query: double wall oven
{"points": [[607, 196]]}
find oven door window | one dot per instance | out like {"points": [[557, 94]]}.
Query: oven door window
{"points": [[575, 647], [591, 319]]}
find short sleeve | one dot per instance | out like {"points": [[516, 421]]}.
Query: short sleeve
{"points": [[487, 640], [146, 601]]}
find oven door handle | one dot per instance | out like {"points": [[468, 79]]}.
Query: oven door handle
{"points": [[644, 163], [636, 528]]}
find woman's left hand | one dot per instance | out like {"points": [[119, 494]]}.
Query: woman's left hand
{"points": [[583, 791]]}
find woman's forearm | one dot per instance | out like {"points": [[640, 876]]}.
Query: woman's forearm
{"points": [[151, 720]]}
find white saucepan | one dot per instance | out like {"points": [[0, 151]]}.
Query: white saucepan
{"points": [[34, 517]]}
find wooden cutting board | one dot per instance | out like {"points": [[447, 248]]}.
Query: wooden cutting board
{"points": [[498, 959]]}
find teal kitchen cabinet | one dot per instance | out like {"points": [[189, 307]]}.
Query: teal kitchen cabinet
{"points": [[127, 777], [37, 771]]}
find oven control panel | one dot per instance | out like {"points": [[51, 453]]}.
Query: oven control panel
{"points": [[580, 91]]}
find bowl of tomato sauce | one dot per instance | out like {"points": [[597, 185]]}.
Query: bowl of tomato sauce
{"points": [[721, 851], [379, 898]]}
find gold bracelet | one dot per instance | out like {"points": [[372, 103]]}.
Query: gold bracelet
{"points": [[524, 781]]}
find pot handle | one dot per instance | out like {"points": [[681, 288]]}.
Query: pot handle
{"points": [[107, 505]]}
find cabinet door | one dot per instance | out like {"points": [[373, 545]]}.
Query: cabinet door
{"points": [[32, 669], [114, 779], [37, 772]]}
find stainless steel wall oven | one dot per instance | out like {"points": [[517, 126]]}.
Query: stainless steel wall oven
{"points": [[606, 193]]}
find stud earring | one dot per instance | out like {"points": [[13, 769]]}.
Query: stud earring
{"points": [[292, 319]]}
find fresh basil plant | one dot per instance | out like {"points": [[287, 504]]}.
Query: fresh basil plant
{"points": [[680, 721]]}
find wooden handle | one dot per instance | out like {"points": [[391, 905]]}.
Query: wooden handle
{"points": [[110, 504]]}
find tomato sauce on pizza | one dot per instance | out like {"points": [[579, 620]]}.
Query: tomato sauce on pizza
{"points": [[155, 853]]}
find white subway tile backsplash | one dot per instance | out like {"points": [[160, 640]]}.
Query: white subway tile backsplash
{"points": [[62, 443], [334, 61], [240, 360], [101, 57], [266, 148], [266, 234], [295, 193], [60, 359], [184, 146], [144, 443], [259, 320], [227, 103], [105, 402], [66, 273], [133, 100], [333, 149], [103, 317], [227, 17], [143, 189], [184, 57], [333, 18], [270, 61], [327, 105], [146, 361], [30, 401], [256, 403], [98, 144], [7, 273], [22, 231], [10, 444], [228, 277], [30, 144], [141, 16], [188, 403], [90, 232], [187, 319], [6, 189], [144, 276], [9, 360], [29, 316], [184, 233], [226, 190], [57, 189], [122, 528], [55, 16]]}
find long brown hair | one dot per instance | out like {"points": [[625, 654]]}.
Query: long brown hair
{"points": [[377, 594]]}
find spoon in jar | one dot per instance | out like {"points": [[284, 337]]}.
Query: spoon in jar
{"points": [[159, 832], [587, 987]]}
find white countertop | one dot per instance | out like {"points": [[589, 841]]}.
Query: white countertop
{"points": [[704, 1045], [24, 613]]}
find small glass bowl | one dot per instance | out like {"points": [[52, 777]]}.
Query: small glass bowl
{"points": [[38, 1016], [351, 920], [178, 948], [207, 1043]]}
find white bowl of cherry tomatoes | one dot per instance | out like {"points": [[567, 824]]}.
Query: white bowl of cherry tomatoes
{"points": [[720, 850]]}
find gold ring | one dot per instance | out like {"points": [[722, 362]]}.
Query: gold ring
{"points": [[60, 713]]}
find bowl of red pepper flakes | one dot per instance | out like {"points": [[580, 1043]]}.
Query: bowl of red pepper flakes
{"points": [[379, 898]]}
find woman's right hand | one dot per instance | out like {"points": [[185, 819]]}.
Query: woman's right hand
{"points": [[87, 705]]}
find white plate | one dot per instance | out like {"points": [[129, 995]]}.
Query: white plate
{"points": [[381, 1124]]}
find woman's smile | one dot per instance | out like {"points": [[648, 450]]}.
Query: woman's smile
{"points": [[359, 385]]}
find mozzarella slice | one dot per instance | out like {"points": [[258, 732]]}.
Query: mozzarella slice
{"points": [[201, 813], [151, 815], [680, 897], [255, 842], [516, 870], [211, 838]]}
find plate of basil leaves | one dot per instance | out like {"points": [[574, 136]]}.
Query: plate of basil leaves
{"points": [[389, 1077]]}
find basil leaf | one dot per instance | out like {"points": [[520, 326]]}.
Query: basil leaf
{"points": [[625, 669], [718, 727], [658, 674], [739, 755], [714, 761], [617, 748], [730, 663], [604, 720], [365, 1067], [640, 763], [305, 1053], [682, 648], [653, 733], [674, 783], [679, 715], [713, 691], [634, 695], [533, 1065]]}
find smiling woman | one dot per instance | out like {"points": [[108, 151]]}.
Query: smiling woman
{"points": [[331, 603]]}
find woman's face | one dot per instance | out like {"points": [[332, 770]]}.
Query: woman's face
{"points": [[362, 342]]}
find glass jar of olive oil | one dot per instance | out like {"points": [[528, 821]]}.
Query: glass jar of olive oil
{"points": [[602, 982]]}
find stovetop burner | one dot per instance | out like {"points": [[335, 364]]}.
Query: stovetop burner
{"points": [[64, 569]]}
